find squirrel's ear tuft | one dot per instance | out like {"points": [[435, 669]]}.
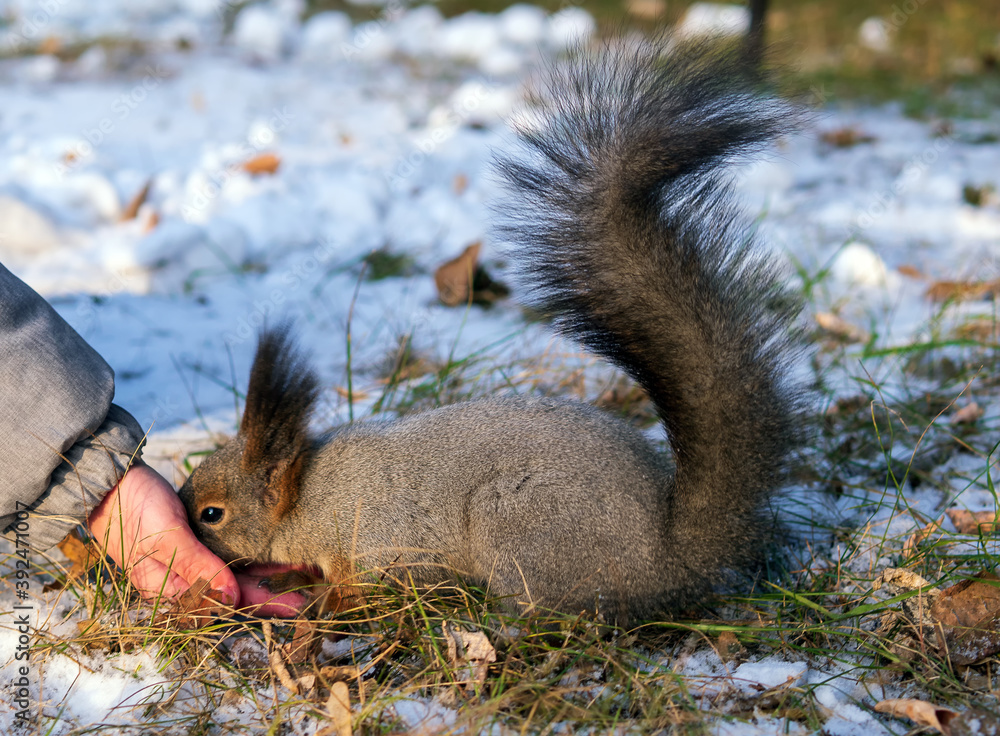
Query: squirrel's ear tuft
{"points": [[282, 392]]}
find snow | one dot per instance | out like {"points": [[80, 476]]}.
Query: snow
{"points": [[375, 125], [714, 19]]}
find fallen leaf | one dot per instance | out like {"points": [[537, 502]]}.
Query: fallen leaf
{"points": [[897, 577], [968, 414], [195, 607], [840, 328], [966, 615], [50, 45], [81, 555], [460, 183], [978, 196], [338, 706], [462, 280], [629, 399], [962, 291], [968, 522], [132, 208], [305, 641], [918, 711], [454, 278], [265, 163], [846, 137], [358, 394], [979, 329], [728, 646], [343, 673], [646, 9], [918, 537], [912, 271], [470, 651]]}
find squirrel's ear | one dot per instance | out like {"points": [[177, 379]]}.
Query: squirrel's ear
{"points": [[282, 490], [280, 398]]}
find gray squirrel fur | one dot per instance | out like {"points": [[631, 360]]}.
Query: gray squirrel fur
{"points": [[628, 234]]}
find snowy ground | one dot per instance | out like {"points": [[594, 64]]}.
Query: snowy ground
{"points": [[384, 131]]}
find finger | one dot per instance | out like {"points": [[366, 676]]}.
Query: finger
{"points": [[193, 561], [260, 601]]}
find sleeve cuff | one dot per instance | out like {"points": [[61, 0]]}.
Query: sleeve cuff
{"points": [[90, 468]]}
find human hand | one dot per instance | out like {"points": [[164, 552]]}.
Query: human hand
{"points": [[143, 526]]}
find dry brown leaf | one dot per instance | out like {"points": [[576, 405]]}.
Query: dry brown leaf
{"points": [[358, 395], [980, 330], [900, 578], [343, 673], [967, 615], [306, 640], [646, 9], [728, 646], [132, 208], [962, 291], [454, 278], [470, 650], [152, 220], [918, 711], [81, 555], [968, 414], [840, 328], [265, 163], [462, 280], [912, 271], [968, 522], [846, 137], [460, 183], [195, 607], [50, 45], [918, 537], [338, 705], [629, 399]]}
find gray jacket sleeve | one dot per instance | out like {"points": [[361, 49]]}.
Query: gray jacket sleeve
{"points": [[63, 444]]}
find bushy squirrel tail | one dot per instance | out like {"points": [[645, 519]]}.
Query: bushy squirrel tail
{"points": [[631, 240]]}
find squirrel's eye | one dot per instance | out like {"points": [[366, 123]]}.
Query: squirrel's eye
{"points": [[212, 515]]}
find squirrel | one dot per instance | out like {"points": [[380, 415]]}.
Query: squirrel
{"points": [[626, 227]]}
